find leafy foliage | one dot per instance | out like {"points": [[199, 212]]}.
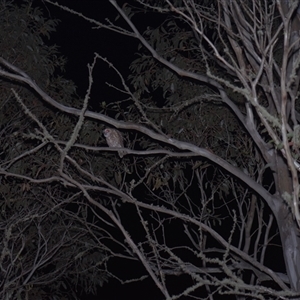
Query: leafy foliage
{"points": [[210, 132], [46, 247]]}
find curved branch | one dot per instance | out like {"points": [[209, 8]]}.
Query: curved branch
{"points": [[126, 125]]}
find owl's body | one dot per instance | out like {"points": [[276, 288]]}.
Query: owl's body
{"points": [[114, 139]]}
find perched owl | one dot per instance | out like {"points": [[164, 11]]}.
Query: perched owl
{"points": [[114, 139]]}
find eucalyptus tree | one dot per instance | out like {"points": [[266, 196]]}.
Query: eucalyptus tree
{"points": [[207, 187]]}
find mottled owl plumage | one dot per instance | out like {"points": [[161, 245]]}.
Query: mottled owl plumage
{"points": [[114, 139]]}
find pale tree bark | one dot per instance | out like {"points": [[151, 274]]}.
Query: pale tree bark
{"points": [[253, 34], [249, 34]]}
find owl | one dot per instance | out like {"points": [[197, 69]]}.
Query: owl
{"points": [[114, 139]]}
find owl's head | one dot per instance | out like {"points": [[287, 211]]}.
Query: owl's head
{"points": [[106, 132]]}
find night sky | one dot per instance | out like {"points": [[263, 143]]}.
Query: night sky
{"points": [[79, 40]]}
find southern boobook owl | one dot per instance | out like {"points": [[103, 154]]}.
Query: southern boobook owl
{"points": [[114, 139]]}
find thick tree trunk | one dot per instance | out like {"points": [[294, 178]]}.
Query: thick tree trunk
{"points": [[288, 228], [289, 233]]}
